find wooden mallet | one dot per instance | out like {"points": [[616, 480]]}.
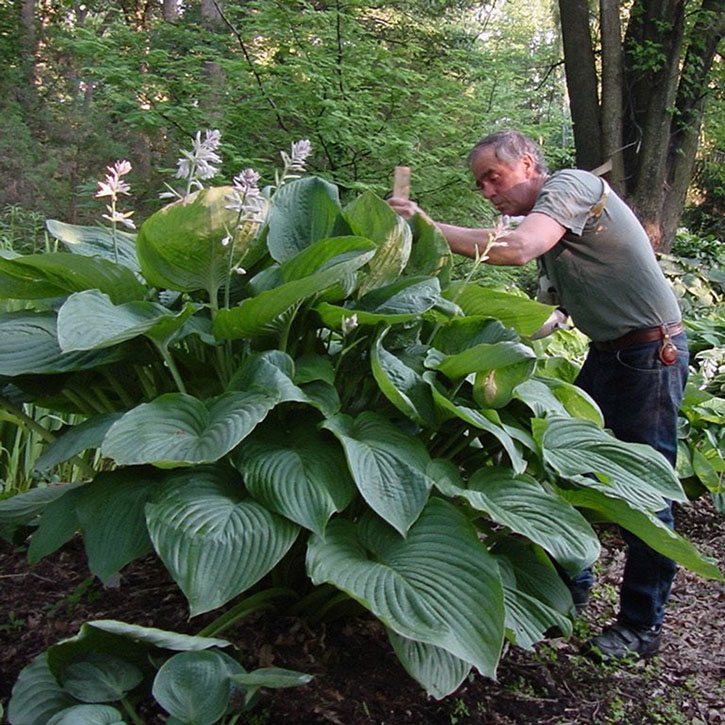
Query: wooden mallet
{"points": [[401, 182]]}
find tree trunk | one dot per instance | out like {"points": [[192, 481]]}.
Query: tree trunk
{"points": [[171, 11], [212, 20], [612, 76], [28, 49], [581, 81]]}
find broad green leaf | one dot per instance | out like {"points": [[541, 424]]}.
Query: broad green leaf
{"points": [[96, 242], [100, 678], [256, 313], [179, 430], [469, 332], [480, 359], [30, 346], [272, 677], [371, 217], [521, 504], [36, 695], [302, 212], [387, 464], [439, 585], [301, 474], [486, 420], [89, 320], [111, 515], [436, 669], [632, 471], [180, 246], [58, 524], [395, 303], [214, 541], [88, 715], [547, 396], [57, 274], [194, 687], [495, 388], [431, 255], [401, 385], [74, 440], [24, 507], [647, 527], [312, 367], [525, 315]]}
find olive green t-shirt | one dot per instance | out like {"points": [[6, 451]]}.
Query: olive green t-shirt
{"points": [[603, 269]]}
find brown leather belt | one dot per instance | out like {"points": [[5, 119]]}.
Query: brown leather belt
{"points": [[636, 337]]}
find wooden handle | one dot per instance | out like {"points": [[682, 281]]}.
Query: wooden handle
{"points": [[401, 182]]}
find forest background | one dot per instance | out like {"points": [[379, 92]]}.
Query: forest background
{"points": [[413, 82]]}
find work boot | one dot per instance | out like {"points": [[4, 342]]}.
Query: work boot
{"points": [[623, 640]]}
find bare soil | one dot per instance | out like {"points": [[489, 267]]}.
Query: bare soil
{"points": [[358, 680]]}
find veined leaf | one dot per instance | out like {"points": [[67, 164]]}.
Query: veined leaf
{"points": [[430, 255], [525, 315], [402, 385], [438, 585], [436, 669], [36, 695], [96, 242], [388, 466], [215, 542], [301, 474], [547, 396], [480, 359], [88, 715], [255, 313], [89, 320], [632, 471], [57, 274], [30, 346], [58, 524], [99, 677], [302, 212], [179, 430], [24, 507]]}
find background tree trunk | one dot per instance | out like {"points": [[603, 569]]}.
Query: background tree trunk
{"points": [[581, 80]]}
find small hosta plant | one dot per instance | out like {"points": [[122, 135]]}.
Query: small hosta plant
{"points": [[292, 399]]}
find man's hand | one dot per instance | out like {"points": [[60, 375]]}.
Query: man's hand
{"points": [[556, 321], [407, 208]]}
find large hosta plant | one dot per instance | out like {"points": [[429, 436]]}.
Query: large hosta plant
{"points": [[311, 409]]}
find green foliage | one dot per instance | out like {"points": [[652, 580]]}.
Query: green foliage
{"points": [[194, 679], [335, 403]]}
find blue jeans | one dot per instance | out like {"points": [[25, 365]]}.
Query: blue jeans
{"points": [[640, 397]]}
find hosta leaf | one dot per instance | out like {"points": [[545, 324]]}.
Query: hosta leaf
{"points": [[88, 715], [387, 464], [215, 542], [369, 216], [96, 242], [521, 504], [632, 471], [547, 396], [486, 420], [111, 515], [525, 315], [301, 474], [58, 524], [303, 212], [272, 677], [439, 585], [430, 255], [256, 313], [470, 332], [480, 359], [180, 246], [36, 695], [57, 274], [100, 678], [436, 669], [87, 434], [402, 385], [24, 507], [30, 346], [89, 320], [495, 388], [648, 528], [179, 430], [194, 687]]}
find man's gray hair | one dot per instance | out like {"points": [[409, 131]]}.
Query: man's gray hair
{"points": [[509, 146]]}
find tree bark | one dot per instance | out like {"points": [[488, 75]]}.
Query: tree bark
{"points": [[612, 77], [171, 11], [581, 81]]}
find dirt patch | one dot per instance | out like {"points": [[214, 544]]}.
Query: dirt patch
{"points": [[358, 680]]}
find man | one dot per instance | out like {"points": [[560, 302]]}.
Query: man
{"points": [[602, 267]]}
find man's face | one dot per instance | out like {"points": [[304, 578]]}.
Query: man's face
{"points": [[510, 187]]}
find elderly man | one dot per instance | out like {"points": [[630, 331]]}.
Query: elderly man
{"points": [[601, 266]]}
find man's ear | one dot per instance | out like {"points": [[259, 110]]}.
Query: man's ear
{"points": [[529, 164]]}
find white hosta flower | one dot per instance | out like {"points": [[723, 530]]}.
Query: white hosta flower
{"points": [[119, 217], [201, 162], [239, 270], [226, 240], [349, 324], [246, 198], [113, 184], [297, 157]]}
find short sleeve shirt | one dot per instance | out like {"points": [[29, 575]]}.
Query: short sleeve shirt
{"points": [[604, 268]]}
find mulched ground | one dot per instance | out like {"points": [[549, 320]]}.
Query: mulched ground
{"points": [[358, 680]]}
